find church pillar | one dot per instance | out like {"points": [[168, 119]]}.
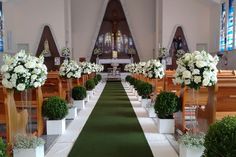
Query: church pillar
{"points": [[158, 27]]}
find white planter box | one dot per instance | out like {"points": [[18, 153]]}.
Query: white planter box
{"points": [[140, 98], [80, 104], [37, 152], [145, 102], [190, 152], [90, 93], [56, 127], [87, 98], [72, 113], [151, 112], [166, 126]]}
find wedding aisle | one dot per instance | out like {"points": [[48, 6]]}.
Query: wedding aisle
{"points": [[112, 129]]}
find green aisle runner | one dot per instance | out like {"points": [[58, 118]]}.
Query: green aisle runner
{"points": [[112, 129]]}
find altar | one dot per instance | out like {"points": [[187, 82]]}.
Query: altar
{"points": [[118, 61]]}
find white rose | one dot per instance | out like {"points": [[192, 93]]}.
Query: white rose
{"points": [[187, 82], [201, 64], [196, 71], [197, 79], [7, 84], [6, 75], [30, 64], [187, 74], [4, 68], [20, 87], [205, 82], [36, 84], [19, 69]]}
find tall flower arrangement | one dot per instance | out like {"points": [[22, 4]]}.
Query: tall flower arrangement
{"points": [[86, 67], [70, 69], [154, 69], [196, 69], [23, 71]]}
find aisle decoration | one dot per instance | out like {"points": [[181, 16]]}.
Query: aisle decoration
{"points": [[65, 52], [70, 69], [23, 71], [196, 69], [154, 69]]}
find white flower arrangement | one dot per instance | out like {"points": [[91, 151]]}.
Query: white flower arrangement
{"points": [[180, 53], [70, 69], [140, 68], [130, 68], [65, 52], [163, 52], [192, 140], [86, 67], [196, 69], [154, 69], [23, 71]]}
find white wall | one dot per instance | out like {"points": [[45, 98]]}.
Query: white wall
{"points": [[26, 18], [193, 15], [88, 14]]}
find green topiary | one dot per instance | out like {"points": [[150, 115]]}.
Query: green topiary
{"points": [[220, 140], [55, 108], [132, 81], [144, 90], [95, 80], [79, 93], [127, 78], [90, 84], [99, 77], [2, 148], [166, 104]]}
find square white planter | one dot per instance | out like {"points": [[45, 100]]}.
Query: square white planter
{"points": [[56, 127], [87, 98], [90, 93], [37, 152], [139, 98], [145, 102], [166, 126], [151, 112], [80, 104], [72, 113], [190, 152]]}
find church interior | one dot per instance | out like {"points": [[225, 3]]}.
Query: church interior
{"points": [[117, 78]]}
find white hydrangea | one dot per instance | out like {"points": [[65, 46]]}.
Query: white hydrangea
{"points": [[196, 69], [70, 69], [22, 71]]}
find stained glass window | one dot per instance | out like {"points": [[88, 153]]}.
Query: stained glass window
{"points": [[222, 27], [1, 29], [230, 28]]}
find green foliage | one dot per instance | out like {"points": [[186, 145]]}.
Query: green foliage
{"points": [[144, 89], [55, 108], [2, 148], [27, 142], [166, 104], [79, 93], [137, 83], [90, 84], [220, 140], [132, 81], [192, 140], [99, 77], [127, 78], [95, 80]]}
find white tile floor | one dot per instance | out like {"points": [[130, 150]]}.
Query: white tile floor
{"points": [[159, 144]]}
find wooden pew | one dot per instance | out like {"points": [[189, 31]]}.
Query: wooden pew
{"points": [[53, 85]]}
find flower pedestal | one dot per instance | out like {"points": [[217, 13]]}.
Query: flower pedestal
{"points": [[90, 94], [56, 127], [151, 112], [190, 152], [80, 104], [72, 113], [145, 102], [166, 126], [36, 152]]}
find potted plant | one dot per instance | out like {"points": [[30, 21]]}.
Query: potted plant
{"points": [[79, 94], [90, 86], [220, 139], [144, 90], [99, 77], [28, 146], [191, 145], [167, 103], [2, 148], [55, 109]]}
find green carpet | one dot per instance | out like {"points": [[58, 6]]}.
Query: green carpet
{"points": [[112, 129]]}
